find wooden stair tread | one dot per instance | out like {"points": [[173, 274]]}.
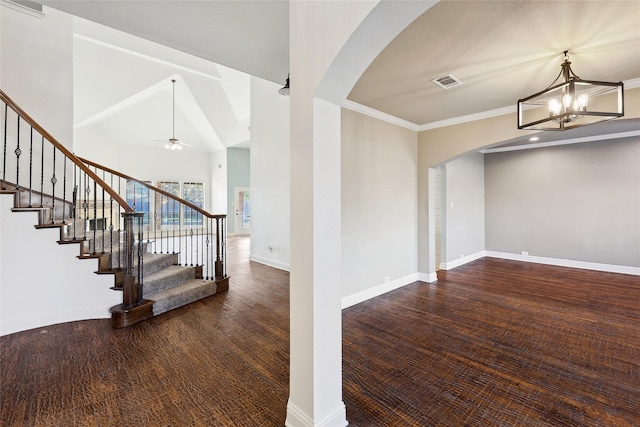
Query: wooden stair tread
{"points": [[29, 209], [68, 242], [39, 226]]}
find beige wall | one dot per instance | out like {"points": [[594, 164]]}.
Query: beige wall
{"points": [[379, 202]]}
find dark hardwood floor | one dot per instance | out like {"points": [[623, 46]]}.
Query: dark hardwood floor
{"points": [[492, 343]]}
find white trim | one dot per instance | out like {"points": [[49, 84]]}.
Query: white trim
{"points": [[610, 268], [26, 323], [371, 112], [297, 418], [469, 118], [20, 8], [563, 142], [461, 261], [428, 277], [378, 290], [270, 262], [632, 84]]}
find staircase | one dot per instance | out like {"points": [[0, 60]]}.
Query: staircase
{"points": [[157, 263]]}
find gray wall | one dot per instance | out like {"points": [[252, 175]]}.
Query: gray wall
{"points": [[463, 206], [576, 202], [238, 167]]}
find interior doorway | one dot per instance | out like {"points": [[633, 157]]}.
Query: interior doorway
{"points": [[242, 214]]}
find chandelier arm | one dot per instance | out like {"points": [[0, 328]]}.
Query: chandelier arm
{"points": [[554, 82], [573, 74]]}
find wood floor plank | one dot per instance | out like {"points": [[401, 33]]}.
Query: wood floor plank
{"points": [[492, 343]]}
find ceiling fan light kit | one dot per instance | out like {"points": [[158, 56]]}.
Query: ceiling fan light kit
{"points": [[571, 103], [173, 143]]}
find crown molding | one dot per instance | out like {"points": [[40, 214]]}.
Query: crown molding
{"points": [[367, 111]]}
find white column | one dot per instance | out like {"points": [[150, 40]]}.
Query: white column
{"points": [[329, 50]]}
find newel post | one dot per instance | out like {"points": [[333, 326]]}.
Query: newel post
{"points": [[221, 278], [134, 307]]}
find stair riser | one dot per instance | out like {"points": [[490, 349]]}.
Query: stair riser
{"points": [[179, 276], [155, 263], [162, 305]]}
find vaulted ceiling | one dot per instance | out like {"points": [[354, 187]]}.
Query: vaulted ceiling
{"points": [[500, 50]]}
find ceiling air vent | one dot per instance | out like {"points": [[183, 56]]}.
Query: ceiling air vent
{"points": [[447, 82]]}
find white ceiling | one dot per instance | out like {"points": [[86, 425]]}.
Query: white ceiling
{"points": [[122, 87], [501, 50]]}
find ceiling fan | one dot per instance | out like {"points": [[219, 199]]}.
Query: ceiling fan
{"points": [[173, 143]]}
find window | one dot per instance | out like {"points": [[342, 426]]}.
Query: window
{"points": [[138, 198], [193, 192], [168, 208]]}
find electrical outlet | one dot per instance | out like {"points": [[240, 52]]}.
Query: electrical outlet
{"points": [[386, 279], [525, 253]]}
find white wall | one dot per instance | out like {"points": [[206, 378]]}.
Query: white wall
{"points": [[42, 282], [36, 59], [379, 207], [270, 199], [36, 70], [218, 190], [464, 210], [153, 163]]}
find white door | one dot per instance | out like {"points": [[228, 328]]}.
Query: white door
{"points": [[242, 205]]}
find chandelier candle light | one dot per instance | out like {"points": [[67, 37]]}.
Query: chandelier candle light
{"points": [[572, 103]]}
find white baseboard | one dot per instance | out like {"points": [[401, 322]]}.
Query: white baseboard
{"points": [[335, 418], [24, 324], [428, 277], [611, 268], [367, 294], [270, 262], [461, 261]]}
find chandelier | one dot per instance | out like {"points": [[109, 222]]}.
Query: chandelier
{"points": [[571, 103]]}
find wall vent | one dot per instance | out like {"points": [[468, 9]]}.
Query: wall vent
{"points": [[447, 82]]}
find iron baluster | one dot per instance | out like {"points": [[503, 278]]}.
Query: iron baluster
{"points": [[54, 180], [111, 227], [206, 258], [173, 209], [75, 201], [95, 215], [162, 210], [4, 155], [218, 271], [18, 152], [30, 164], [42, 172], [155, 229], [191, 243], [103, 226], [64, 190], [181, 256]]}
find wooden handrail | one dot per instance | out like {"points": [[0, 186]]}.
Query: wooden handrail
{"points": [[151, 187], [66, 152]]}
